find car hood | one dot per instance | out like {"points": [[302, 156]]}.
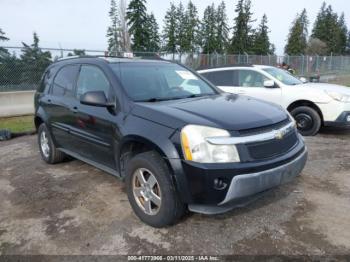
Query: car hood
{"points": [[226, 111], [328, 87]]}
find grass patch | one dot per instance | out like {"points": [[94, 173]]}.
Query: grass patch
{"points": [[18, 123]]}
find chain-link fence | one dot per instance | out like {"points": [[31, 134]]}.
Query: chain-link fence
{"points": [[22, 70]]}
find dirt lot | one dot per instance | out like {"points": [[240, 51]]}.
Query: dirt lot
{"points": [[73, 208]]}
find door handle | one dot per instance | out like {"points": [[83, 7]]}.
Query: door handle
{"points": [[240, 91], [74, 109]]}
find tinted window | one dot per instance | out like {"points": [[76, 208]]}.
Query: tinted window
{"points": [[221, 78], [91, 78], [45, 83], [250, 78], [65, 80], [160, 81]]}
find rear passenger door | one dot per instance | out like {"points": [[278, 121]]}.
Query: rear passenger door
{"points": [[226, 80], [93, 126], [60, 105]]}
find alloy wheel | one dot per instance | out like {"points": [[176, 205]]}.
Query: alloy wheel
{"points": [[146, 191]]}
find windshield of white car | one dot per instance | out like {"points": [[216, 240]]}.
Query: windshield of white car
{"points": [[283, 76], [153, 82]]}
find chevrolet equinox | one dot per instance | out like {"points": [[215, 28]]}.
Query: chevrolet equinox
{"points": [[177, 141]]}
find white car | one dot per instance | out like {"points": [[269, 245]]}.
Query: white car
{"points": [[311, 104]]}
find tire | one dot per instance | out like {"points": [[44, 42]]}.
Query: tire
{"points": [[308, 120], [170, 209], [49, 152]]}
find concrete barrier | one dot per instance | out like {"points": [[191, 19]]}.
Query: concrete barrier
{"points": [[16, 103]]}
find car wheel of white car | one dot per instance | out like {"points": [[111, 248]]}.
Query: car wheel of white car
{"points": [[308, 120]]}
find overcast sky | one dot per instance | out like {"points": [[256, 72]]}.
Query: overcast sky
{"points": [[82, 23]]}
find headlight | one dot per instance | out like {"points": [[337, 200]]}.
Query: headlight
{"points": [[196, 148], [339, 97]]}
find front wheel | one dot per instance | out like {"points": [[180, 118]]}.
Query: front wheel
{"points": [[151, 191], [307, 119]]}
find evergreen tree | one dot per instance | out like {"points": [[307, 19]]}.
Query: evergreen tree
{"points": [[342, 34], [330, 29], [180, 28], [154, 38], [170, 30], [137, 21], [208, 30], [297, 39], [262, 45], [191, 29], [222, 28], [347, 50], [242, 31], [3, 51], [34, 61], [114, 30]]}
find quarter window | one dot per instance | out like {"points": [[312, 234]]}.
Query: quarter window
{"points": [[91, 78], [250, 78], [65, 80], [221, 78]]}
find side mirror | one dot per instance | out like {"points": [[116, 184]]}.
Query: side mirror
{"points": [[269, 84], [303, 79], [95, 98]]}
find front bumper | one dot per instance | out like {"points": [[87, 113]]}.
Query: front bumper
{"points": [[246, 188], [343, 120]]}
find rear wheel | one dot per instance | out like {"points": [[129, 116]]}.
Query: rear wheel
{"points": [[48, 150], [151, 191], [307, 119]]}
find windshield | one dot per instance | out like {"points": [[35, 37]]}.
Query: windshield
{"points": [[151, 81], [159, 81], [283, 76]]}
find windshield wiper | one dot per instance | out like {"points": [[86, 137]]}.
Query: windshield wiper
{"points": [[159, 99]]}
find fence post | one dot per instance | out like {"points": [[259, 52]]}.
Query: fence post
{"points": [[247, 57]]}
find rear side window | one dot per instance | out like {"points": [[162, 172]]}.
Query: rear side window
{"points": [[45, 82], [63, 84], [221, 78], [91, 78]]}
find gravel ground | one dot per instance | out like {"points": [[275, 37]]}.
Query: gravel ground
{"points": [[73, 208]]}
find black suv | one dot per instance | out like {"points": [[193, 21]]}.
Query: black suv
{"points": [[178, 141]]}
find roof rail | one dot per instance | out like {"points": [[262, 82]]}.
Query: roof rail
{"points": [[153, 57], [224, 66]]}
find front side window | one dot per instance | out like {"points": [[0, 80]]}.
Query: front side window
{"points": [[145, 81], [250, 78], [283, 76], [91, 78], [221, 78], [63, 84]]}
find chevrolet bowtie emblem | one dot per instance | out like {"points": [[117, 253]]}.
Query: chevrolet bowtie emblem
{"points": [[279, 135]]}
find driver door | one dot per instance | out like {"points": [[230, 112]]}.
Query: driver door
{"points": [[251, 83]]}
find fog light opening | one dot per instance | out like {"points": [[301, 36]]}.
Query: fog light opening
{"points": [[219, 184]]}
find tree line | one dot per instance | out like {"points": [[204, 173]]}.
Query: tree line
{"points": [[184, 31], [133, 28], [329, 35]]}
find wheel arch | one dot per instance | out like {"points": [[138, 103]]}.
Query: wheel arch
{"points": [[307, 103], [134, 144]]}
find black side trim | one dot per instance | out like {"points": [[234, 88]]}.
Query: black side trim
{"points": [[91, 162]]}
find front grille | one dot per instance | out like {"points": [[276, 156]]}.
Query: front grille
{"points": [[264, 129], [272, 148]]}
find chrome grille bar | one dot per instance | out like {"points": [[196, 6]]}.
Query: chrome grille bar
{"points": [[274, 134]]}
